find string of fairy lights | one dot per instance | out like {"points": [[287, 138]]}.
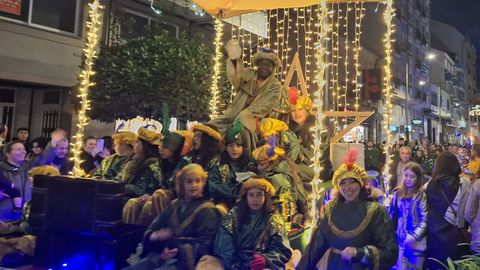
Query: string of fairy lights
{"points": [[94, 28], [321, 32], [388, 15], [326, 36], [359, 14], [322, 69], [217, 62]]}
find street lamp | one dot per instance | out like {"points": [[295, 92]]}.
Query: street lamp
{"points": [[421, 82], [430, 56]]}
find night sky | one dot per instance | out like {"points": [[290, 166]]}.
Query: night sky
{"points": [[463, 15]]}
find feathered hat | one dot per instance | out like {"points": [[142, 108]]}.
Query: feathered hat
{"points": [[233, 133], [268, 152], [272, 126], [298, 101], [349, 169]]}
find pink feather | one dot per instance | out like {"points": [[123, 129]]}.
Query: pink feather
{"points": [[351, 157], [293, 95]]}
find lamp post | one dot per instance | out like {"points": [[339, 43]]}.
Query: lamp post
{"points": [[406, 101], [431, 57]]}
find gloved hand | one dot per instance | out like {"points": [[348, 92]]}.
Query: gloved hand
{"points": [[233, 49], [258, 262]]}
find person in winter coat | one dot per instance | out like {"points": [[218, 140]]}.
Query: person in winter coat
{"points": [[447, 192], [408, 211]]}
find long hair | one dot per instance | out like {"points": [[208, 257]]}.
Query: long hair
{"points": [[209, 148], [244, 210], [242, 161], [304, 132], [446, 165], [297, 182], [417, 170], [149, 151], [41, 142]]}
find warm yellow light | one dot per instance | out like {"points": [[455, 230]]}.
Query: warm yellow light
{"points": [[387, 85], [346, 64], [214, 102], [358, 25], [91, 46], [322, 69]]}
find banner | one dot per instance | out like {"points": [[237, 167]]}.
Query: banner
{"points": [[11, 6]]}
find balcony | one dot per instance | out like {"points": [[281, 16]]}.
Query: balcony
{"points": [[399, 94]]}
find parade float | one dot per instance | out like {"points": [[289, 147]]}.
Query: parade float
{"points": [[320, 40]]}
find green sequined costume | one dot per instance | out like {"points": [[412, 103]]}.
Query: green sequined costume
{"points": [[263, 234]]}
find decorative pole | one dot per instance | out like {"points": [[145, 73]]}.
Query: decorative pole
{"points": [[322, 68], [214, 102], [387, 88], [91, 46]]}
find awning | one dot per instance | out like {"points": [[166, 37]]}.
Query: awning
{"points": [[229, 8]]}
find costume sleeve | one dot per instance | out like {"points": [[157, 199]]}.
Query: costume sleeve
{"points": [[292, 145], [147, 183], [206, 225], [315, 249], [103, 165], [278, 252], [162, 220], [384, 252], [421, 228], [221, 190], [224, 247], [234, 69], [261, 106]]}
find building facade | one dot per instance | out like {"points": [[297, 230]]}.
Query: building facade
{"points": [[41, 54]]}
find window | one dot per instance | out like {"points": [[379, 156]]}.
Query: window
{"points": [[132, 24], [55, 15]]}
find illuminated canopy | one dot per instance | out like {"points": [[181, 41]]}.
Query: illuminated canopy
{"points": [[229, 8]]}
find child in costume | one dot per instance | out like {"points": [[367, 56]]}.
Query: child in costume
{"points": [[354, 231], [112, 165], [290, 197], [252, 236], [288, 141], [225, 179], [408, 211], [185, 231], [141, 174]]}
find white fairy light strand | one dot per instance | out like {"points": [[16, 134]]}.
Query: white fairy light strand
{"points": [[94, 26]]}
